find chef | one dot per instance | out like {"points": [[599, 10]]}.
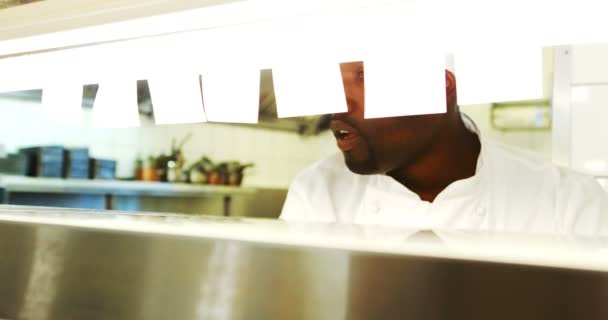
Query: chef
{"points": [[436, 172]]}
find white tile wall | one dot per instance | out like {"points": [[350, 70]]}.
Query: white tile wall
{"points": [[278, 155]]}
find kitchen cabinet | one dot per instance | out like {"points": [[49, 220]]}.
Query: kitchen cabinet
{"points": [[580, 101], [589, 114], [589, 65]]}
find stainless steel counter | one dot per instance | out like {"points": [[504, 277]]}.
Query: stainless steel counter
{"points": [[72, 264]]}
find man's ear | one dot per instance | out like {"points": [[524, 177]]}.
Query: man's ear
{"points": [[450, 87]]}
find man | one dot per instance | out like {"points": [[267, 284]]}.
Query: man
{"points": [[434, 171]]}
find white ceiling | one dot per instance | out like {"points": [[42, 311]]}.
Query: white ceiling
{"points": [[48, 16]]}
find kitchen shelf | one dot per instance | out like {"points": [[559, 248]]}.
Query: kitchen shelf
{"points": [[110, 188], [117, 187]]}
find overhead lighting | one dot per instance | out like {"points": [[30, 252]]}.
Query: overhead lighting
{"points": [[176, 98], [462, 18], [115, 105], [305, 63], [203, 18], [570, 22]]}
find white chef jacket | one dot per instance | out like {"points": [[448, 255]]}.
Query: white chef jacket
{"points": [[511, 191]]}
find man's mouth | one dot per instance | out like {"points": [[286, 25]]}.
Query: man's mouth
{"points": [[346, 136], [341, 134]]}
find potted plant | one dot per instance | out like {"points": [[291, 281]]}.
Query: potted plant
{"points": [[218, 175], [236, 172], [176, 160], [162, 162], [200, 170]]}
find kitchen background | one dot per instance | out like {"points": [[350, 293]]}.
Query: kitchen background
{"points": [[277, 155]]}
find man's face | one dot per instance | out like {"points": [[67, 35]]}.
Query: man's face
{"points": [[373, 146]]}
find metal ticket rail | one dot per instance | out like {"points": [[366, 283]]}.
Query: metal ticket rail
{"points": [[74, 264]]}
